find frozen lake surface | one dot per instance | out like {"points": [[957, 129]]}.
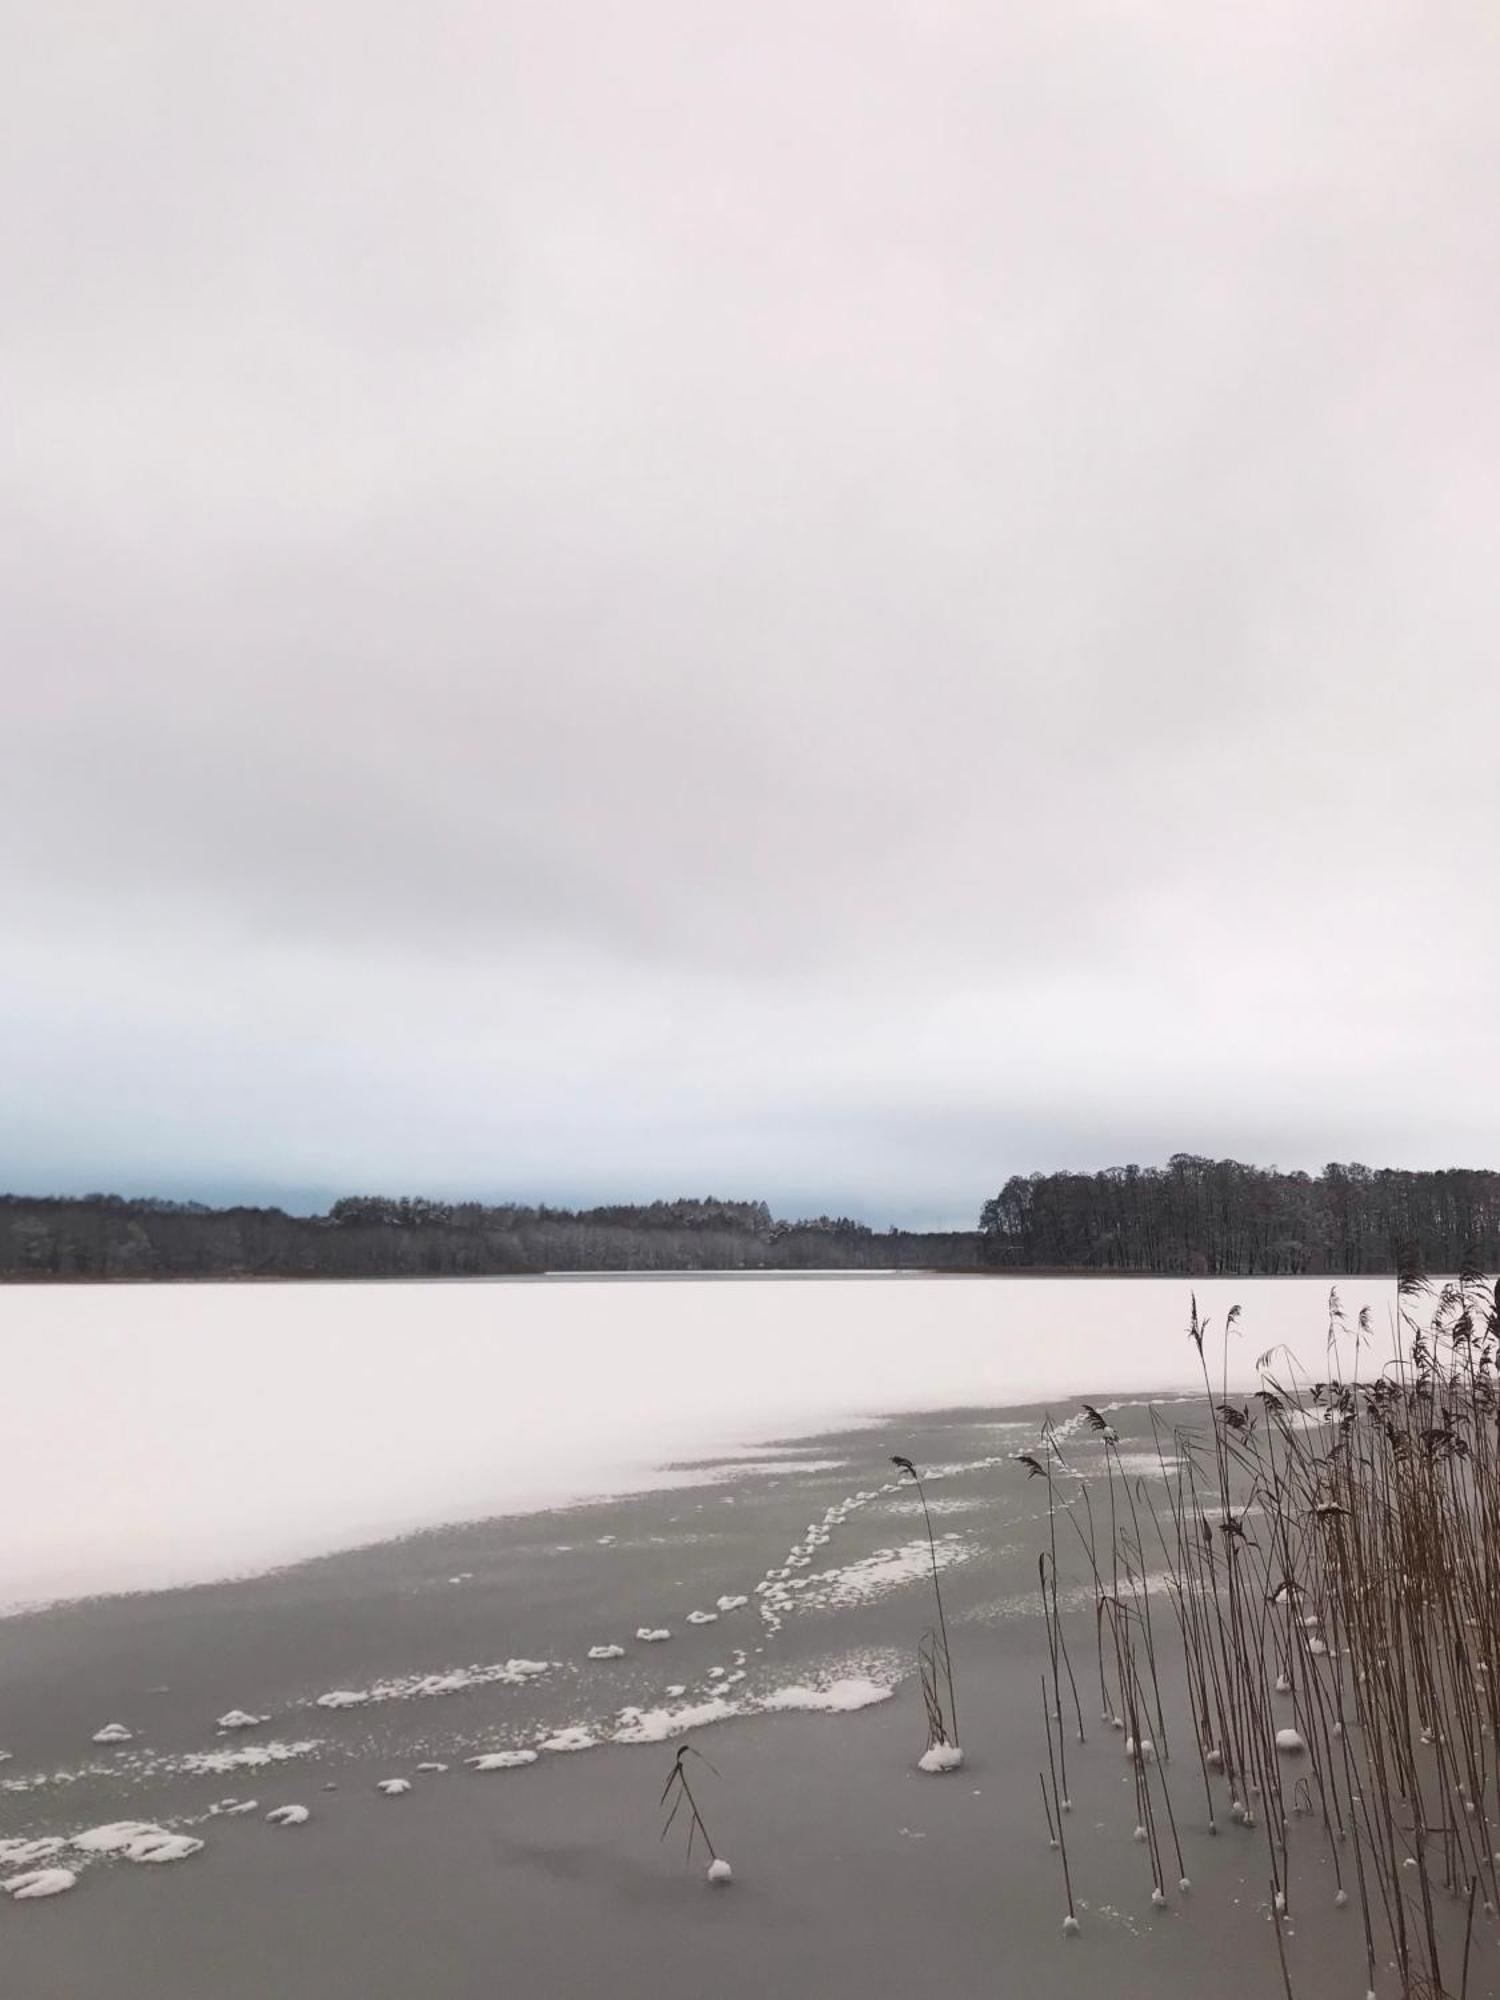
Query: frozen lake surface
{"points": [[165, 1435]]}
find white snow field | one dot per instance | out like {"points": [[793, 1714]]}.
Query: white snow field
{"points": [[152, 1456]]}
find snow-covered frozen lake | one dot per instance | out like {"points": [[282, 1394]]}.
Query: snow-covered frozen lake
{"points": [[162, 1435]]}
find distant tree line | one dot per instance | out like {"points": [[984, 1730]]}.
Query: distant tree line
{"points": [[1200, 1216], [372, 1236], [1194, 1216]]}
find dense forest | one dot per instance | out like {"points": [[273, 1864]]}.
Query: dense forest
{"points": [[369, 1236], [1195, 1216], [1203, 1216]]}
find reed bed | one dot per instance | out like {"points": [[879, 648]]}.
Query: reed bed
{"points": [[1318, 1564]]}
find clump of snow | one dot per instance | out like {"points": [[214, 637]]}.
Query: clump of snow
{"points": [[676, 1691], [288, 1816], [40, 1882], [1143, 1752], [606, 1652], [732, 1603], [502, 1760], [1291, 1741], [113, 1732], [1318, 1647], [232, 1808], [116, 1837], [576, 1738], [393, 1787], [159, 1846], [940, 1757], [703, 1618], [1070, 1926], [436, 1769], [653, 1636], [719, 1871], [239, 1718], [344, 1698]]}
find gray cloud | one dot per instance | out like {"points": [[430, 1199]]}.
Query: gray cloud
{"points": [[834, 604]]}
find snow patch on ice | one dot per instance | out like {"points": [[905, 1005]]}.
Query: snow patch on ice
{"points": [[606, 1652], [161, 1847], [447, 1680], [574, 1738], [253, 1757], [502, 1760], [656, 1725], [41, 1882], [288, 1816], [116, 1836], [114, 1732], [26, 1851], [840, 1697]]}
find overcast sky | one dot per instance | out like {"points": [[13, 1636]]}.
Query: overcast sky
{"points": [[819, 600]]}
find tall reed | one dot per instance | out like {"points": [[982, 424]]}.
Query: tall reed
{"points": [[1330, 1549]]}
